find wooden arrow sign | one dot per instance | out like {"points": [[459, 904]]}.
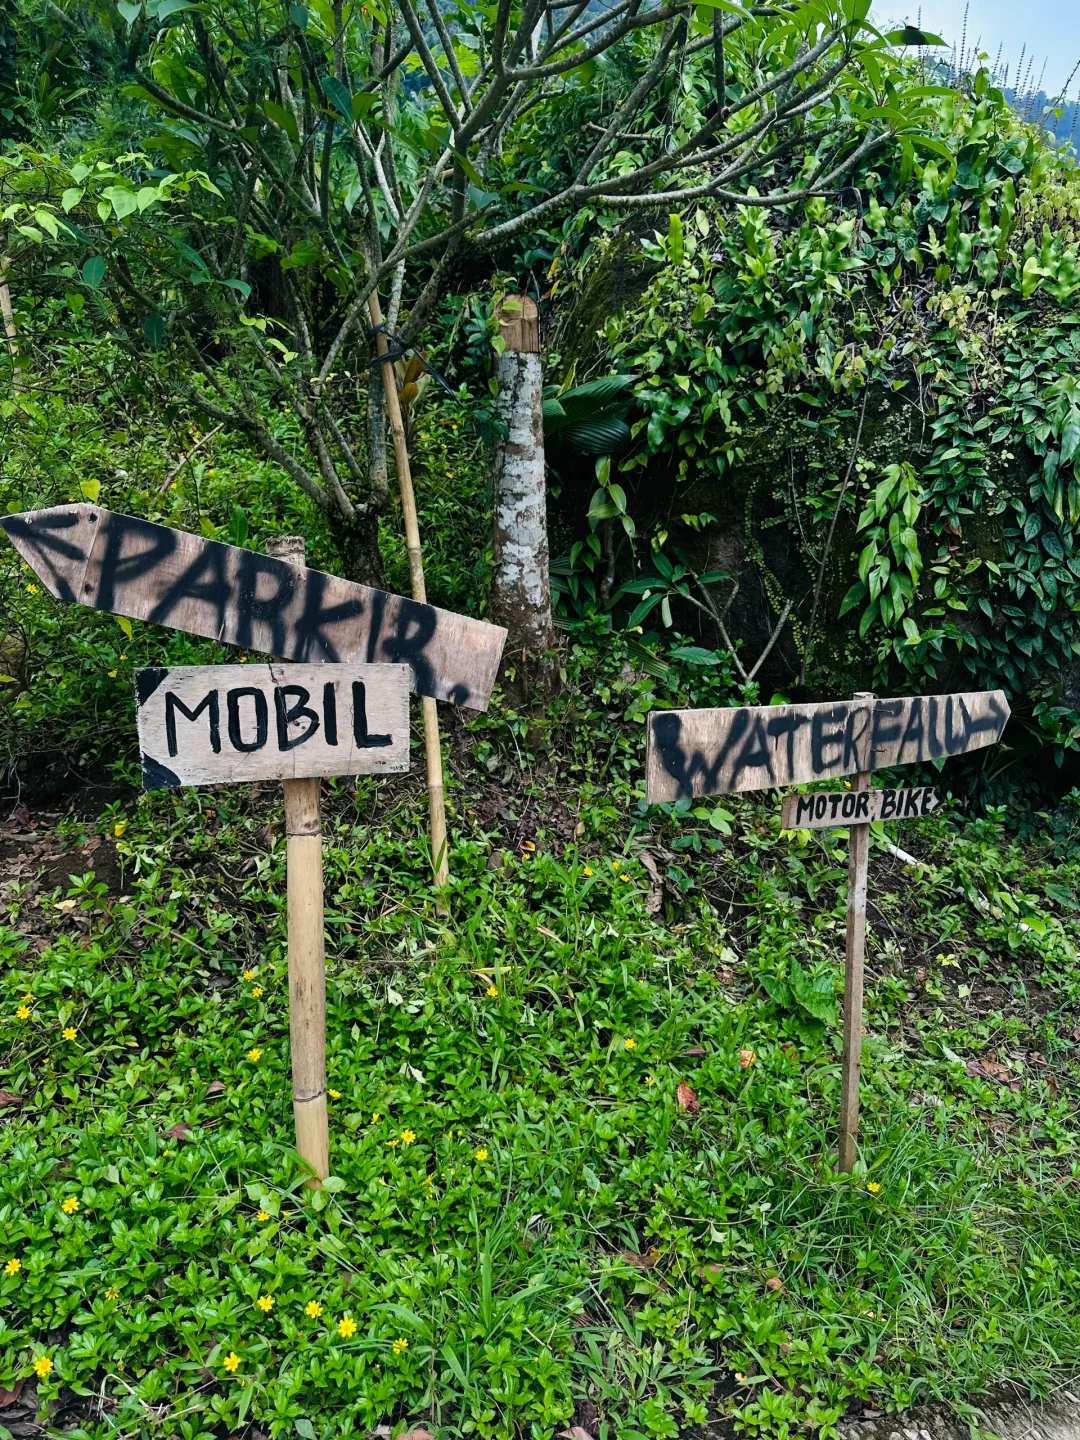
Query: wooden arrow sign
{"points": [[118, 563], [719, 752], [824, 810], [223, 724]]}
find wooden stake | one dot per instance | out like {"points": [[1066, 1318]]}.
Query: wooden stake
{"points": [[858, 851], [432, 746], [307, 948]]}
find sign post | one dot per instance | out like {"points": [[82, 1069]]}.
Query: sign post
{"points": [[224, 724], [693, 753]]}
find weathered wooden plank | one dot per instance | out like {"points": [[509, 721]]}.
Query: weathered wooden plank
{"points": [[224, 724], [825, 809], [131, 567], [719, 752]]}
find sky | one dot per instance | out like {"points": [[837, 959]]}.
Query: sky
{"points": [[1049, 28]]}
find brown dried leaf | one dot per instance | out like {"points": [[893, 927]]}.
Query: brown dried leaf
{"points": [[178, 1133], [687, 1099], [216, 1087], [640, 1262], [8, 1097], [576, 1432], [694, 1050], [747, 1058], [419, 1434], [9, 1397], [724, 975], [775, 1284]]}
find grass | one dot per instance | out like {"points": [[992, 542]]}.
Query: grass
{"points": [[524, 1223]]}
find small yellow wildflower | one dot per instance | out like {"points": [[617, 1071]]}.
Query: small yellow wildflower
{"points": [[112, 1293], [121, 825], [399, 1346], [375, 1117], [650, 1080], [629, 1043], [248, 975], [12, 1267], [262, 1215], [31, 589], [42, 1366], [408, 1137], [615, 864], [70, 1205], [587, 870], [334, 1094], [873, 1186], [313, 1309], [265, 1303], [23, 1012], [28, 997], [254, 1054], [232, 1362], [69, 1032], [256, 990], [346, 1327], [492, 991], [428, 1181], [112, 673], [529, 846], [482, 1153], [625, 878], [392, 1143]]}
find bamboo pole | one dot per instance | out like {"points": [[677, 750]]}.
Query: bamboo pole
{"points": [[432, 745], [855, 951], [307, 952]]}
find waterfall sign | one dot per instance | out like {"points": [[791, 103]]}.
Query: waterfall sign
{"points": [[693, 753]]}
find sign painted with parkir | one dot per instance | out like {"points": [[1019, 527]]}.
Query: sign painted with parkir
{"points": [[224, 724]]}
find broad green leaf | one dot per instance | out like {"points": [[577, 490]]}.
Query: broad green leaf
{"points": [[299, 16], [282, 118], [129, 11], [70, 199], [154, 330], [93, 271], [92, 490], [340, 96]]}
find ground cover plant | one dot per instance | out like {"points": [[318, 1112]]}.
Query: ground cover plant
{"points": [[583, 1117]]}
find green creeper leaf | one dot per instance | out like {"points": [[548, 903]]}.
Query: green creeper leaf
{"points": [[299, 16], [92, 490], [129, 11], [340, 96], [93, 271], [154, 330]]}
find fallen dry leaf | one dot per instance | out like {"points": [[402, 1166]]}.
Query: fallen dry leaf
{"points": [[687, 1099], [774, 1283], [9, 1397], [989, 1070], [640, 1262], [725, 976], [8, 1097], [654, 901], [416, 1435], [1052, 1084], [178, 1132], [576, 1432], [66, 905], [216, 1087], [747, 1058], [545, 931], [694, 1050]]}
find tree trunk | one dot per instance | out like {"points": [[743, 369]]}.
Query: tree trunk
{"points": [[357, 544], [521, 587]]}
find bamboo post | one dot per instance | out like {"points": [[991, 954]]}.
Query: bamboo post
{"points": [[432, 745], [307, 952], [858, 853]]}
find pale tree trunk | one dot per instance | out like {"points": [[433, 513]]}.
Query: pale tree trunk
{"points": [[521, 587]]}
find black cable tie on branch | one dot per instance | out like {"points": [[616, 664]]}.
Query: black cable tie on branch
{"points": [[396, 354]]}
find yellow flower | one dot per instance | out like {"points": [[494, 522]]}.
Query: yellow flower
{"points": [[42, 1366], [625, 879], [32, 589], [12, 1267], [23, 1012], [614, 864], [587, 870], [873, 1186], [346, 1327], [334, 1094], [529, 846], [313, 1309], [121, 825], [253, 1054], [629, 1043], [399, 1346], [232, 1362], [492, 991], [392, 1143], [112, 1293], [70, 1205], [265, 1303], [375, 1117], [650, 1080], [256, 990], [262, 1215], [112, 676], [69, 1032], [248, 975], [428, 1181], [482, 1153], [408, 1137]]}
